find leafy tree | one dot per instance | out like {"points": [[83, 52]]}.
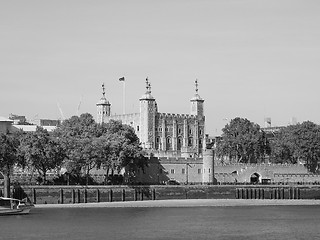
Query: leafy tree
{"points": [[111, 146], [243, 141], [42, 152], [298, 143], [77, 136], [9, 157], [118, 152]]}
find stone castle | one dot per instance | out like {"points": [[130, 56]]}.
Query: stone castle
{"points": [[176, 143], [163, 134]]}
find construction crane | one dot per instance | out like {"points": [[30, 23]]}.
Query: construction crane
{"points": [[61, 113]]}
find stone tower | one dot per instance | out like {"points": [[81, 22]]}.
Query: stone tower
{"points": [[148, 111], [208, 166], [103, 107], [197, 103]]}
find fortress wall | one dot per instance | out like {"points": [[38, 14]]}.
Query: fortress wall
{"points": [[132, 119]]}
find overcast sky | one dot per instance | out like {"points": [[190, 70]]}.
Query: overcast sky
{"points": [[253, 59]]}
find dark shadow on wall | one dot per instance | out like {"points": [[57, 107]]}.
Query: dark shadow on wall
{"points": [[153, 174]]}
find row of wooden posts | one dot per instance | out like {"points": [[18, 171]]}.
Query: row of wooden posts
{"points": [[273, 193], [138, 195]]}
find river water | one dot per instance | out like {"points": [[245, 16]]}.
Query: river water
{"points": [[249, 222]]}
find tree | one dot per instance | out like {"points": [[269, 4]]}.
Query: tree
{"points": [[77, 136], [111, 146], [298, 143], [122, 149], [9, 157], [243, 141], [42, 152]]}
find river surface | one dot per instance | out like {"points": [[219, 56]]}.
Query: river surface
{"points": [[245, 222]]}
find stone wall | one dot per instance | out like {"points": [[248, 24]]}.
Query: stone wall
{"points": [[82, 194]]}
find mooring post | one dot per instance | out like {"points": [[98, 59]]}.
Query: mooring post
{"points": [[73, 196], [110, 195], [153, 194], [34, 196], [78, 195], [61, 196], [85, 196], [98, 195], [135, 195], [123, 198]]}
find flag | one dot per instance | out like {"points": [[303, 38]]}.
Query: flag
{"points": [[121, 79]]}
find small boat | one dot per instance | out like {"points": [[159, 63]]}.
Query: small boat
{"points": [[12, 206]]}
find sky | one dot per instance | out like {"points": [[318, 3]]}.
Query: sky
{"points": [[252, 58]]}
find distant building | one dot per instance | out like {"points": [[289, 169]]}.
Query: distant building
{"points": [[46, 122], [17, 119], [5, 125]]}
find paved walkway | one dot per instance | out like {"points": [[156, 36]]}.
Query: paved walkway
{"points": [[185, 203]]}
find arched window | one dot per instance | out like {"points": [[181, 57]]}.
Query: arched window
{"points": [[179, 145], [169, 143], [157, 142], [190, 142]]}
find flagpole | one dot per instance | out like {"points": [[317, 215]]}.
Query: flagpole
{"points": [[124, 97]]}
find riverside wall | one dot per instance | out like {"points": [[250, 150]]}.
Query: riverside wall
{"points": [[90, 194]]}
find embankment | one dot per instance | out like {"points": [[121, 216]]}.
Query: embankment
{"points": [[95, 194]]}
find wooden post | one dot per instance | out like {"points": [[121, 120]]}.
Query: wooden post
{"points": [[61, 196], [73, 196], [78, 195], [98, 195], [110, 195], [34, 196], [135, 195], [85, 196], [153, 194], [123, 196]]}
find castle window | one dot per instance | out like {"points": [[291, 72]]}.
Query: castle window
{"points": [[209, 170], [157, 140], [172, 171], [183, 171], [138, 128], [190, 130], [179, 144], [179, 131], [190, 140], [166, 129], [199, 170], [200, 132]]}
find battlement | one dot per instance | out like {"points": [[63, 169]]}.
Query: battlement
{"points": [[173, 115], [123, 116]]}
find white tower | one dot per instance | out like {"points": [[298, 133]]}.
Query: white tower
{"points": [[103, 107]]}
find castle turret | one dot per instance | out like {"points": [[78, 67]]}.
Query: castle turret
{"points": [[208, 167], [103, 107], [148, 111], [197, 103]]}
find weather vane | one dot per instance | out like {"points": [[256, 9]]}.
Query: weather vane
{"points": [[196, 83], [103, 90], [148, 85]]}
